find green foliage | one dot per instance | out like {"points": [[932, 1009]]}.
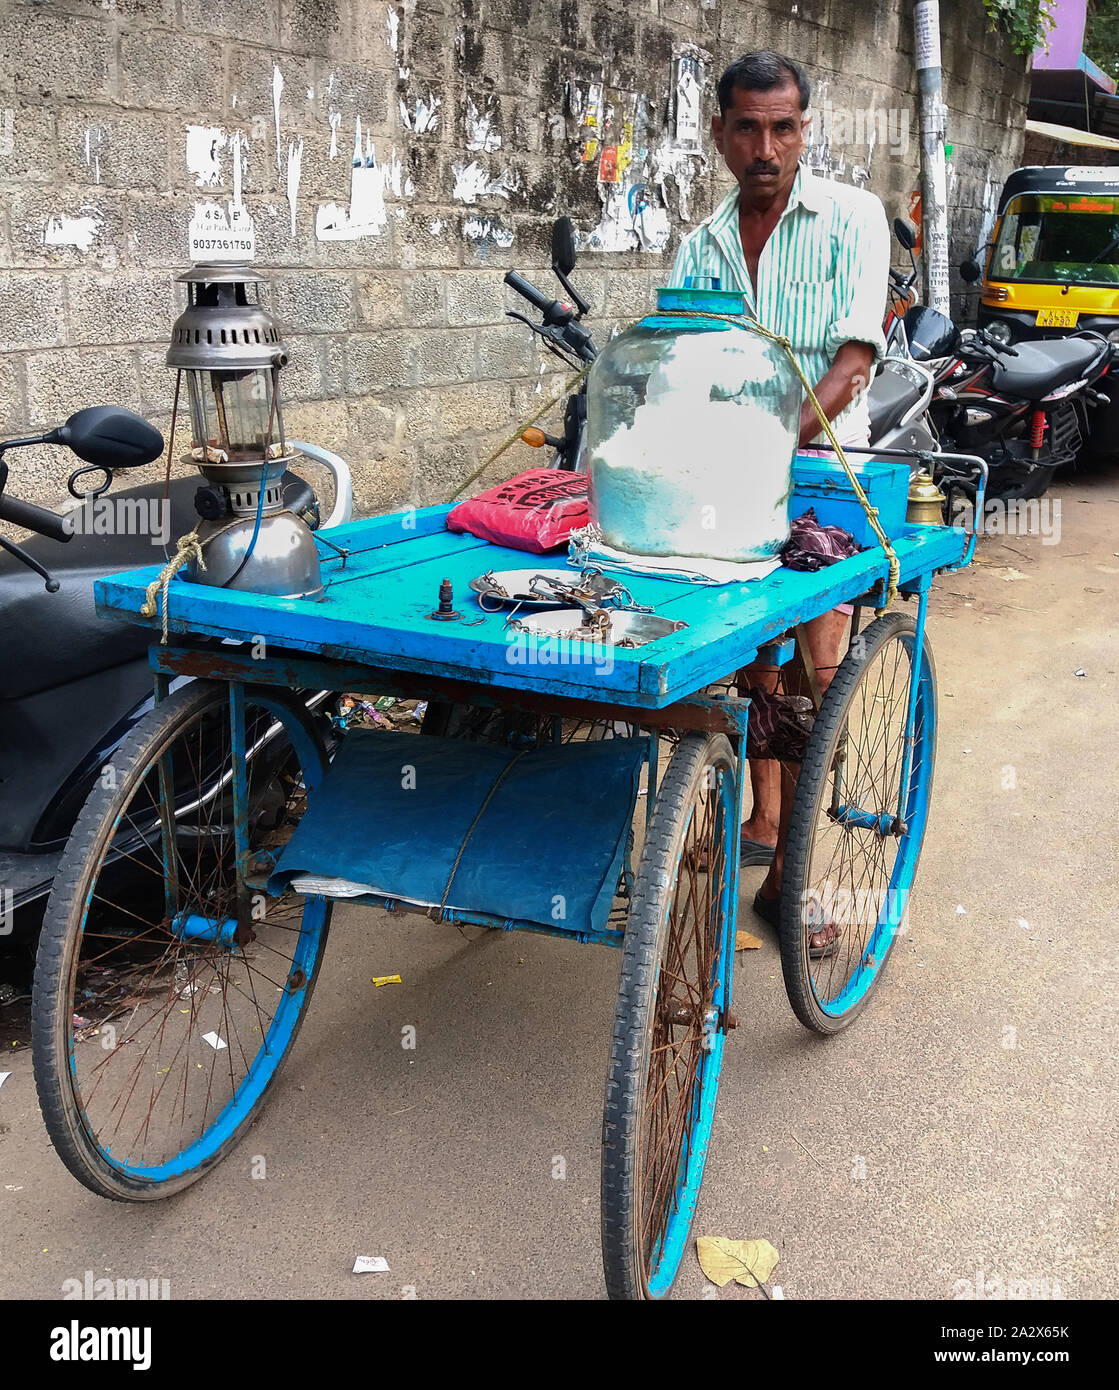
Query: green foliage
{"points": [[1026, 23], [1101, 39]]}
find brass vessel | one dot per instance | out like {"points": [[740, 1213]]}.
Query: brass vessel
{"points": [[926, 501]]}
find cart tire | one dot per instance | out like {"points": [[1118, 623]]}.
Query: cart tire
{"points": [[683, 913], [137, 1101], [857, 874]]}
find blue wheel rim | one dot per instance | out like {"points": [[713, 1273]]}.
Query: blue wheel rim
{"points": [[668, 1250], [306, 957], [891, 913]]}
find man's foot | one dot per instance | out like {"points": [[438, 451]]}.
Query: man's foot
{"points": [[823, 939], [752, 854], [758, 841], [768, 909]]}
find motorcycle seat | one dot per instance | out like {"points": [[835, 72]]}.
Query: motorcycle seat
{"points": [[1040, 367], [52, 639], [889, 396]]}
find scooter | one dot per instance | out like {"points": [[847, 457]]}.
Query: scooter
{"points": [[73, 684]]}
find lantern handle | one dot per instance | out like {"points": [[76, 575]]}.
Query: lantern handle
{"points": [[339, 470]]}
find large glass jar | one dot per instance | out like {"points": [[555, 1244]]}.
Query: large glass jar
{"points": [[692, 427]]}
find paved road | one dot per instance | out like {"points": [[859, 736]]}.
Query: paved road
{"points": [[965, 1124]]}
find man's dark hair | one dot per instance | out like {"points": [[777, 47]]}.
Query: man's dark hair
{"points": [[761, 71]]}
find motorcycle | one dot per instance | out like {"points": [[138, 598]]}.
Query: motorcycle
{"points": [[1023, 409], [899, 395], [565, 337], [72, 684]]}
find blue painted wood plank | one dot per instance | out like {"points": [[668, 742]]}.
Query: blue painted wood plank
{"points": [[376, 608]]}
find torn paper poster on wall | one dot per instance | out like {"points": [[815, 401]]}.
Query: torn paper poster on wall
{"points": [[277, 93], [990, 213], [611, 129], [473, 182], [94, 137], [369, 182], [487, 231], [481, 126], [204, 146], [78, 232], [584, 104], [219, 233], [689, 99], [295, 169], [423, 114]]}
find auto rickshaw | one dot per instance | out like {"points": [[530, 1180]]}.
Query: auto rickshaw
{"points": [[1052, 266]]}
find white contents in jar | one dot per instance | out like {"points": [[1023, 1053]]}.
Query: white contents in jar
{"points": [[705, 468]]}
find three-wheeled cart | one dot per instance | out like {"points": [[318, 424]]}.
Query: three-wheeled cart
{"points": [[189, 916]]}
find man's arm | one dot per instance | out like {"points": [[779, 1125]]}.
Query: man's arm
{"points": [[837, 388], [855, 341]]}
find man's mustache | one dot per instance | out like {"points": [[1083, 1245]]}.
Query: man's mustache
{"points": [[763, 169]]}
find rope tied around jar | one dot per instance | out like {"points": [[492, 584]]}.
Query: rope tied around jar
{"points": [[752, 325]]}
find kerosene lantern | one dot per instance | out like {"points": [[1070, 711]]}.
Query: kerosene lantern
{"points": [[229, 354]]}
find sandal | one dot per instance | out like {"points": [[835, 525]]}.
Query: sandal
{"points": [[823, 941], [753, 854]]}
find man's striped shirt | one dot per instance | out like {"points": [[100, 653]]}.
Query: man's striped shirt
{"points": [[821, 275]]}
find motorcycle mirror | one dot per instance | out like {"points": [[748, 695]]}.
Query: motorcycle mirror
{"points": [[108, 437], [563, 245], [971, 271], [905, 233]]}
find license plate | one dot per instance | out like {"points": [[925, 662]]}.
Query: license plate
{"points": [[1057, 318]]}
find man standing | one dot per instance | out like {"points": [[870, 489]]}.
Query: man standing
{"points": [[812, 259]]}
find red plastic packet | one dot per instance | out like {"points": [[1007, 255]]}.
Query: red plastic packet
{"points": [[534, 511]]}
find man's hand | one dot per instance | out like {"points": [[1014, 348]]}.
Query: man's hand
{"points": [[841, 383]]}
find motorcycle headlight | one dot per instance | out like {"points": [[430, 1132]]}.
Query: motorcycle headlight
{"points": [[999, 330], [1113, 337]]}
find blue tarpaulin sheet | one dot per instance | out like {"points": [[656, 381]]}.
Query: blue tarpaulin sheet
{"points": [[544, 829]]}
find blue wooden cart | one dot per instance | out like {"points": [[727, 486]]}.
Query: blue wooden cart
{"points": [[190, 913]]}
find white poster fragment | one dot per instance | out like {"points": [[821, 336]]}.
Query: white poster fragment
{"points": [[218, 234]]}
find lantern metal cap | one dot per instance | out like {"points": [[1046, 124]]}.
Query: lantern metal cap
{"points": [[221, 329]]}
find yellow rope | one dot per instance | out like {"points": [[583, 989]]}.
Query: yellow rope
{"points": [[189, 548]]}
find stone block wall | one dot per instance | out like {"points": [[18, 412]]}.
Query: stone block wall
{"points": [[126, 123]]}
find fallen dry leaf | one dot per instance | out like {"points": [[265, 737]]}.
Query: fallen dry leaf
{"points": [[747, 1262], [744, 941]]}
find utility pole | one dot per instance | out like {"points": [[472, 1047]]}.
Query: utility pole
{"points": [[934, 173]]}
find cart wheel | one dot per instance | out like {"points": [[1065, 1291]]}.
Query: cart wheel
{"points": [[669, 1029], [849, 862], [167, 995]]}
